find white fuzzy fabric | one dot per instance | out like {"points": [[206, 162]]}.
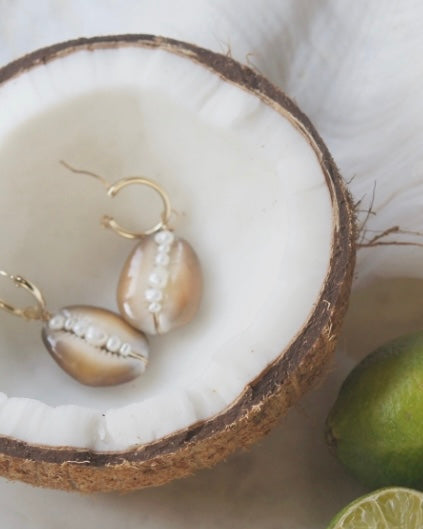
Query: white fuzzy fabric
{"points": [[355, 68]]}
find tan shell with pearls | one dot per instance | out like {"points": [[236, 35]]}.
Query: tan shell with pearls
{"points": [[95, 346], [161, 284]]}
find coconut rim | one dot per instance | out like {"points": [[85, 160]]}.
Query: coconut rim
{"points": [[342, 256]]}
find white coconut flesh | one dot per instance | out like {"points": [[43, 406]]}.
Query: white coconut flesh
{"points": [[249, 193]]}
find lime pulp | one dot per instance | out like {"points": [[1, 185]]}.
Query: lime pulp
{"points": [[389, 508]]}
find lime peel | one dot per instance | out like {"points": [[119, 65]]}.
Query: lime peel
{"points": [[375, 428]]}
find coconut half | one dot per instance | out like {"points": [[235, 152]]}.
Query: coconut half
{"points": [[255, 192]]}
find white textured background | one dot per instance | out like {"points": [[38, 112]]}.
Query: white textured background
{"points": [[355, 68]]}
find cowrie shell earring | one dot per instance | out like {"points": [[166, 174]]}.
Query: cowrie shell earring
{"points": [[160, 285], [94, 346]]}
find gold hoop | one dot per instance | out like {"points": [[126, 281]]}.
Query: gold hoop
{"points": [[37, 312], [113, 190]]}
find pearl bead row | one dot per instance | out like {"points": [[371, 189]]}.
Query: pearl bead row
{"points": [[93, 335], [159, 276]]}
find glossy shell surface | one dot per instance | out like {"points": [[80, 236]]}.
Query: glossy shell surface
{"points": [[95, 346], [161, 284]]}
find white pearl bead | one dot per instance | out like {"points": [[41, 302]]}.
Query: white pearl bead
{"points": [[162, 259], [155, 308], [164, 237], [80, 328], [125, 350], [114, 343], [153, 294], [57, 322], [158, 277], [96, 336], [163, 248], [70, 323]]}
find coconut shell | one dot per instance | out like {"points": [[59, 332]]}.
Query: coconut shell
{"points": [[266, 398]]}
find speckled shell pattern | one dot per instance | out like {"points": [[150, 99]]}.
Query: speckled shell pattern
{"points": [[160, 287], [95, 346]]}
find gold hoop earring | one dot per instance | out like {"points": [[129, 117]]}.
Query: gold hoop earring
{"points": [[93, 345], [160, 286], [114, 189]]}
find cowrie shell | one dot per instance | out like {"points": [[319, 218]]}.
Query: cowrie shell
{"points": [[95, 346], [161, 284]]}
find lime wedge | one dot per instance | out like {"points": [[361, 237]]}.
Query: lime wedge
{"points": [[391, 508]]}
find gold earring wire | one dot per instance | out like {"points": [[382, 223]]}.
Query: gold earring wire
{"points": [[114, 189], [37, 312]]}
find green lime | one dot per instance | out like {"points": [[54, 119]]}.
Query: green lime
{"points": [[393, 508], [376, 425]]}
